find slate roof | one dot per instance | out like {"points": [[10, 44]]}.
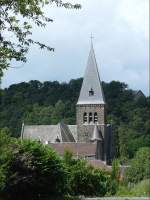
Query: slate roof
{"points": [[49, 133], [91, 81], [80, 148]]}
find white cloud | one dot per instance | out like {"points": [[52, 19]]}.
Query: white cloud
{"points": [[136, 14], [120, 28]]}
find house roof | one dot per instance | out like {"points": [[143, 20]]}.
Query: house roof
{"points": [[49, 133], [80, 148], [138, 93], [91, 82]]}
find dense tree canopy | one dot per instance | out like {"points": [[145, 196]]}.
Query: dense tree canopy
{"points": [[51, 102], [16, 20]]}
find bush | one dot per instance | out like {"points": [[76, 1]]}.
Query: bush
{"points": [[34, 172], [5, 154], [85, 180], [139, 166], [139, 189]]}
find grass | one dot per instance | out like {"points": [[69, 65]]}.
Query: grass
{"points": [[141, 189]]}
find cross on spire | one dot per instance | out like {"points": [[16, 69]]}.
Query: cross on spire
{"points": [[91, 38]]}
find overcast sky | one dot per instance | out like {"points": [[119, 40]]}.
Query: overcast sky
{"points": [[121, 43]]}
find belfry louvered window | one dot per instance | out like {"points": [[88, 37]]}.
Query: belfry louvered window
{"points": [[95, 117], [90, 117], [84, 117]]}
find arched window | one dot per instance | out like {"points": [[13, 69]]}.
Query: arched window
{"points": [[95, 117], [84, 117], [90, 117]]}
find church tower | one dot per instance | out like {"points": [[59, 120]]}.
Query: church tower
{"points": [[90, 108]]}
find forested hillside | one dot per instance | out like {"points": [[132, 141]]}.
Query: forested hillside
{"points": [[50, 102]]}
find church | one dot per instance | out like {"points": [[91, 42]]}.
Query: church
{"points": [[91, 138]]}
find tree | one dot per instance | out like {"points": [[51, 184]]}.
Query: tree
{"points": [[40, 115], [34, 172], [58, 113], [123, 142], [17, 17]]}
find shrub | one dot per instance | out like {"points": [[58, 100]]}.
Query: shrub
{"points": [[139, 166], [85, 180], [137, 190], [35, 172]]}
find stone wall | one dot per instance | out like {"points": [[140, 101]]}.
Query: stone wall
{"points": [[99, 109], [85, 130]]}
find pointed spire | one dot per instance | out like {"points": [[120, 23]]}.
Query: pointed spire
{"points": [[91, 90], [96, 134]]}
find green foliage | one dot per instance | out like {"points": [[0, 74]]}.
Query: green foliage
{"points": [[38, 103], [4, 137], [88, 181], [38, 115], [34, 172], [68, 157], [58, 113], [139, 166], [115, 173], [51, 102], [5, 154], [17, 18], [30, 170], [123, 142], [140, 189], [85, 180]]}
